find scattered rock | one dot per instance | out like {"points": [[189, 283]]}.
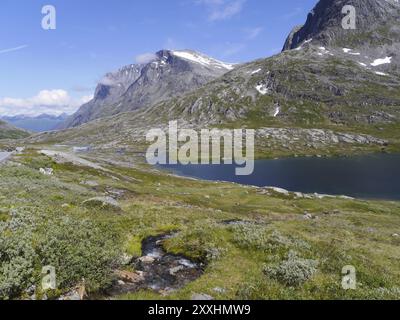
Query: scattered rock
{"points": [[71, 296], [76, 294], [131, 277], [175, 270], [279, 190], [126, 259], [31, 290], [90, 183], [146, 259], [307, 216], [165, 292], [201, 297], [395, 235], [115, 193], [219, 290], [46, 171]]}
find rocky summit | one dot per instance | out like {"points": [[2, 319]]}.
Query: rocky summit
{"points": [[166, 75]]}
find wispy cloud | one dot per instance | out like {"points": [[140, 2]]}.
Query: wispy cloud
{"points": [[222, 9], [13, 49], [252, 33], [145, 58]]}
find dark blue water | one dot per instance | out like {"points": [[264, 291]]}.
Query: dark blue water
{"points": [[369, 177]]}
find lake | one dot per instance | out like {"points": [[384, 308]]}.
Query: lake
{"points": [[374, 176]]}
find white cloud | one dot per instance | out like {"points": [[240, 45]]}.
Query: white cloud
{"points": [[145, 58], [222, 9], [13, 49], [107, 81], [46, 101]]}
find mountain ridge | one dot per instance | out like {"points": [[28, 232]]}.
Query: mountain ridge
{"points": [[167, 75], [333, 87]]}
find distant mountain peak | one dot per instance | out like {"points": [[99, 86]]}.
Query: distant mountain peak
{"points": [[170, 73]]}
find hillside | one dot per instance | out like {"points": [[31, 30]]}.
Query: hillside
{"points": [[8, 131]]}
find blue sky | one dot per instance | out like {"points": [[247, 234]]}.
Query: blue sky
{"points": [[55, 70]]}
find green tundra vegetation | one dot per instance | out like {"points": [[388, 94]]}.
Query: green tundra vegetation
{"points": [[276, 252]]}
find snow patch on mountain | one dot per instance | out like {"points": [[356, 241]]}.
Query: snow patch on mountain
{"points": [[203, 60], [379, 62], [261, 88]]}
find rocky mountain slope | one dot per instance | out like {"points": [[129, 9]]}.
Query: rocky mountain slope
{"points": [[377, 29], [317, 84], [8, 131], [168, 74], [327, 78]]}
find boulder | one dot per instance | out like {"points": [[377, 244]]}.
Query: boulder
{"points": [[46, 171], [130, 277], [175, 270], [201, 297], [146, 259], [103, 202]]}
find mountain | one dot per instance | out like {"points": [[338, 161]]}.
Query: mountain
{"points": [[325, 76], [169, 74], [41, 123], [323, 79], [8, 131], [377, 28]]}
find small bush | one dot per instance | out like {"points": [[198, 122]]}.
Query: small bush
{"points": [[258, 237], [79, 250], [17, 260], [292, 272]]}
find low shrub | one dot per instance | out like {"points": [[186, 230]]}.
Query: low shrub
{"points": [[80, 250], [292, 272]]}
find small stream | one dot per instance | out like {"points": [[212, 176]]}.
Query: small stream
{"points": [[156, 270]]}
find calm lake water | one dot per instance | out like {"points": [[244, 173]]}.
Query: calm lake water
{"points": [[369, 177]]}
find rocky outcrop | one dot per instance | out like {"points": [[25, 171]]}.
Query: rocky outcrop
{"points": [[377, 31], [324, 23], [317, 137]]}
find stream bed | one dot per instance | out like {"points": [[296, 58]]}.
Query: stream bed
{"points": [[156, 270]]}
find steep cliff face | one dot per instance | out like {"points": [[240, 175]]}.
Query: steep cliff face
{"points": [[169, 74], [377, 24]]}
